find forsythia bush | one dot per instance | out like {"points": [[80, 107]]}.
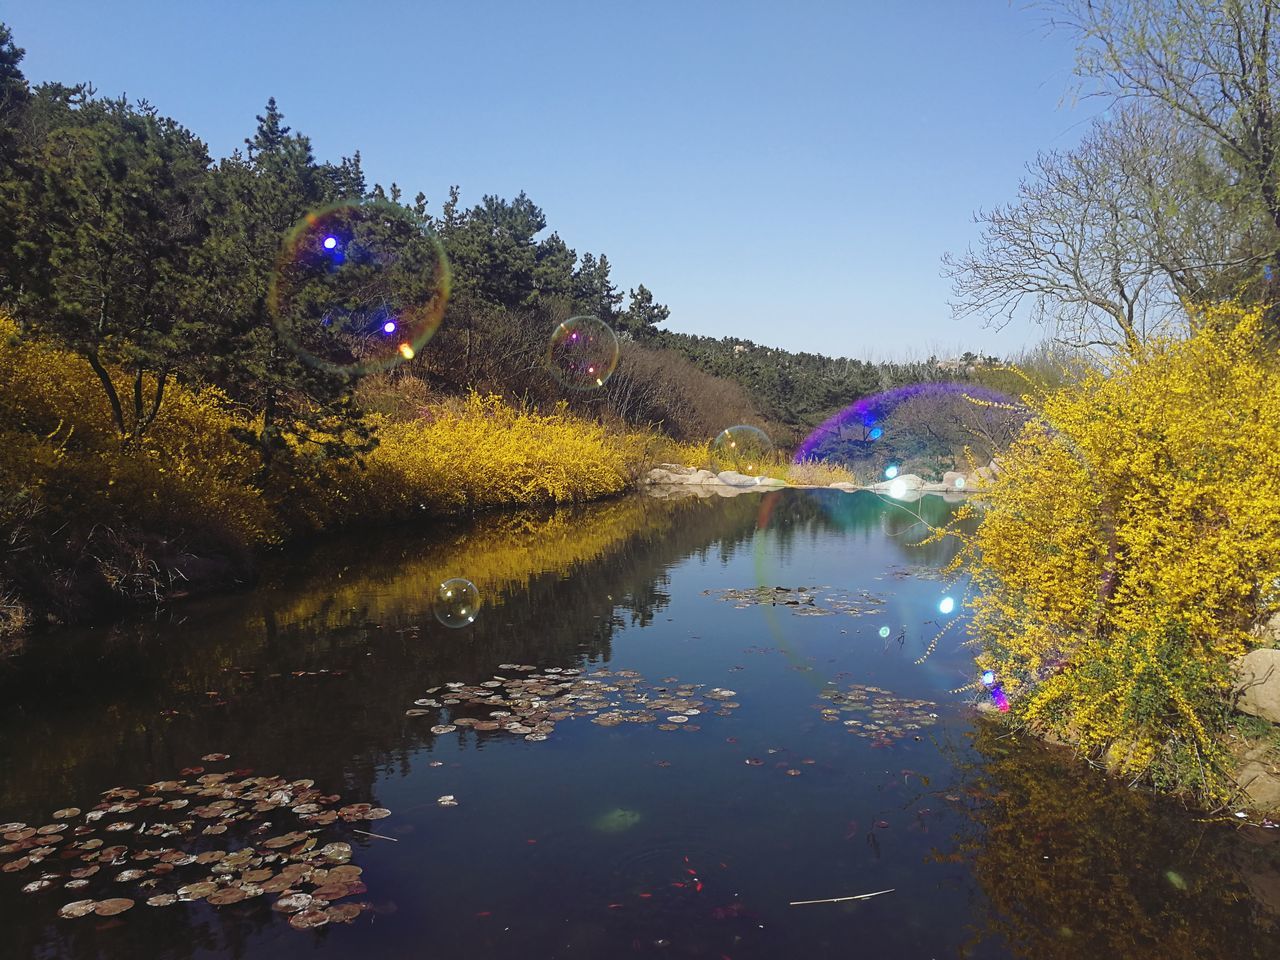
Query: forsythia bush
{"points": [[67, 480], [1129, 543], [58, 445], [481, 452]]}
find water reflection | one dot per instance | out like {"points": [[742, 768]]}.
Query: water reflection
{"points": [[1074, 865], [310, 674]]}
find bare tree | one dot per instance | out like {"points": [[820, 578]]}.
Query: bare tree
{"points": [[1214, 64], [1068, 248]]}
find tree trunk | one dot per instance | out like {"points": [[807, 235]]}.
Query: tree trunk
{"points": [[109, 388]]}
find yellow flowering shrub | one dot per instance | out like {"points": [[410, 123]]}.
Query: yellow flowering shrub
{"points": [[481, 452], [58, 444], [1129, 543]]}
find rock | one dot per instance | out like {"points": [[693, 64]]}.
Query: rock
{"points": [[846, 486], [1257, 688], [1261, 785], [658, 475], [1268, 631], [676, 469], [734, 479], [701, 476], [770, 483], [984, 475], [954, 480], [906, 483]]}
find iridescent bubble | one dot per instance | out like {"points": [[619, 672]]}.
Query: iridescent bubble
{"points": [[742, 450], [926, 429], [456, 602], [582, 353], [884, 631], [359, 287], [946, 605]]}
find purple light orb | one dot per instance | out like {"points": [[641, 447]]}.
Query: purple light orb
{"points": [[330, 242], [1001, 701], [389, 327]]}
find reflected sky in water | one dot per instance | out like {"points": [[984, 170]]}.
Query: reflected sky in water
{"points": [[629, 840]]}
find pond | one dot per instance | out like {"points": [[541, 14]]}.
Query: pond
{"points": [[694, 749]]}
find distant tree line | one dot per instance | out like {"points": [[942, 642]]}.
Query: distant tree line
{"points": [[124, 240]]}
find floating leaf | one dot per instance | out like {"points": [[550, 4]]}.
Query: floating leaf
{"points": [[343, 913], [308, 919], [77, 908], [113, 906], [229, 895]]}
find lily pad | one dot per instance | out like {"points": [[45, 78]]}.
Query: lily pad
{"points": [[308, 919], [113, 906], [77, 908]]}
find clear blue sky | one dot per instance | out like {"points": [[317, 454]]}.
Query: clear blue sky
{"points": [[789, 173]]}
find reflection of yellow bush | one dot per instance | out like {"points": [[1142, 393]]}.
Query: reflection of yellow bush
{"points": [[498, 553], [1129, 542]]}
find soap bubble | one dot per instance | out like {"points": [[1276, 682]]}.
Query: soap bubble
{"points": [[743, 450], [946, 605], [358, 287], [456, 602], [582, 353]]}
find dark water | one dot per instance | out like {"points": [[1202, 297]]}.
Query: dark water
{"points": [[992, 847]]}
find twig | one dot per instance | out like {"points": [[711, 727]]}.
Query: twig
{"points": [[378, 835], [861, 896]]}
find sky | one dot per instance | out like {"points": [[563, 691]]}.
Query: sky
{"points": [[786, 173]]}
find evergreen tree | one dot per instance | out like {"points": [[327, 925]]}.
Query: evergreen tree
{"points": [[107, 218]]}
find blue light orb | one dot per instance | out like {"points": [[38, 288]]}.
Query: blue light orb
{"points": [[330, 242], [876, 433], [946, 605], [389, 327], [890, 471], [988, 677], [884, 631]]}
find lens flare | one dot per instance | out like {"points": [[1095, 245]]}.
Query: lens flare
{"points": [[946, 605], [355, 283], [582, 353], [890, 471], [743, 452], [456, 602]]}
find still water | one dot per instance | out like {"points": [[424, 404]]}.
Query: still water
{"points": [[606, 839]]}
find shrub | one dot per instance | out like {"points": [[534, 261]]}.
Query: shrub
{"points": [[1127, 544]]}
